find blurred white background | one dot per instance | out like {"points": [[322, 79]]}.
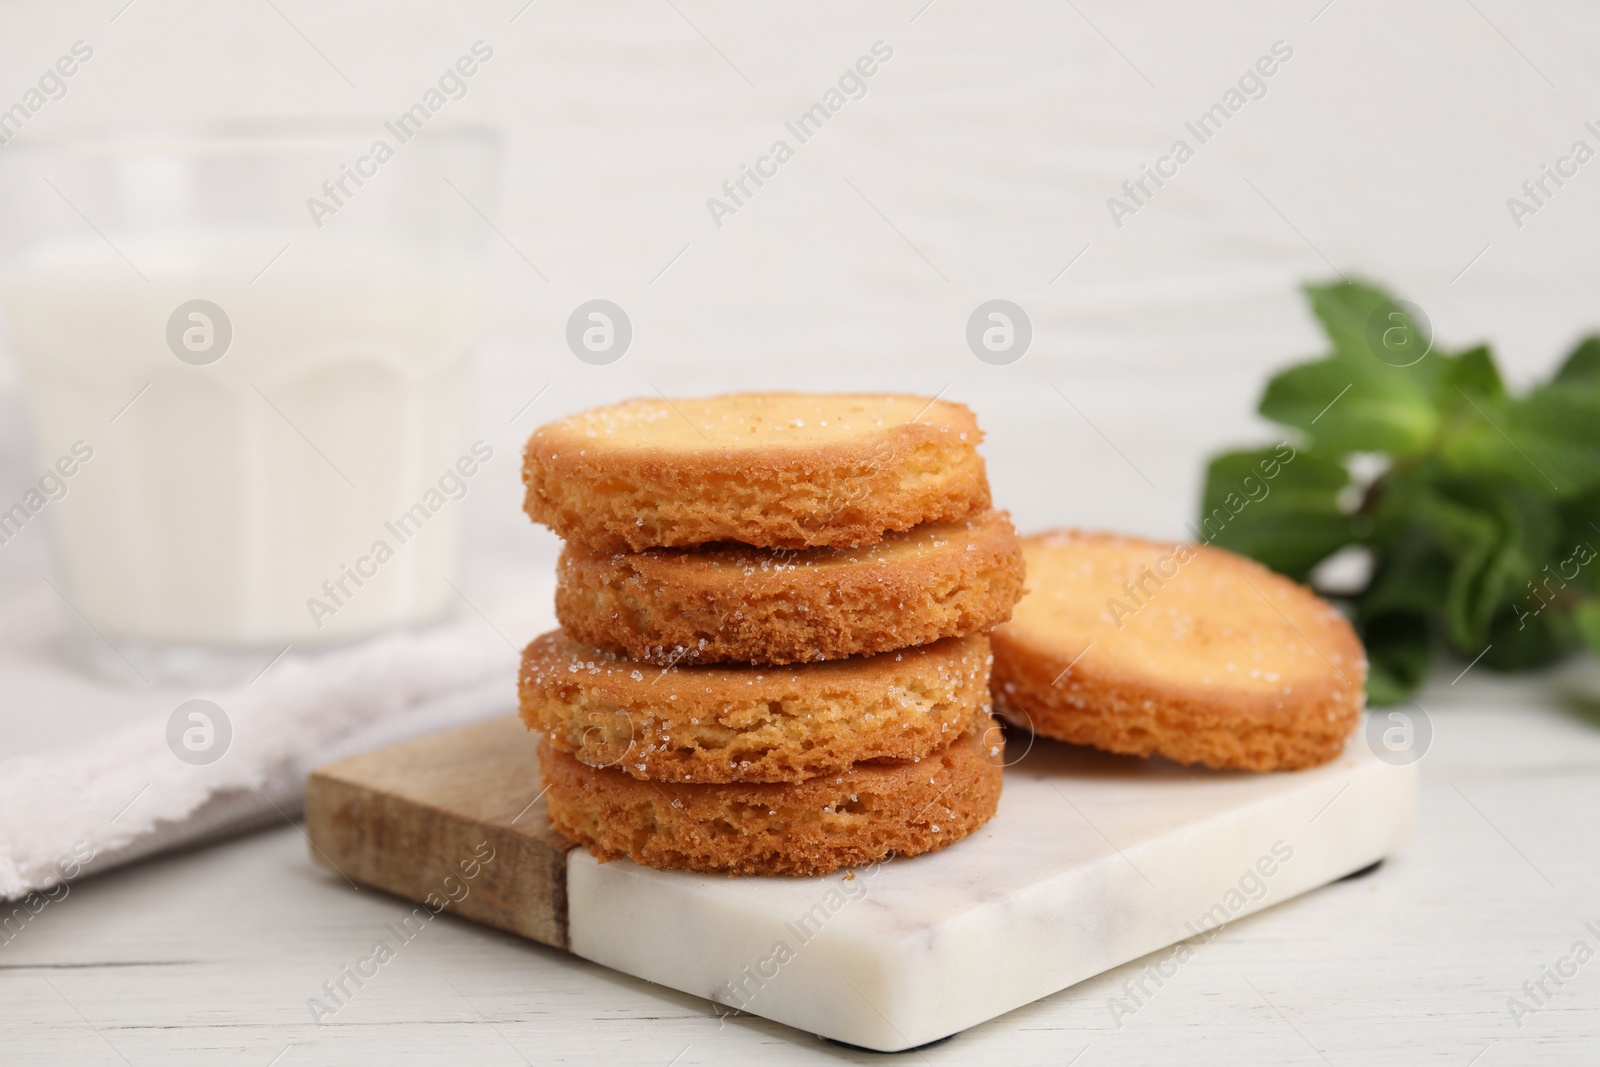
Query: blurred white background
{"points": [[978, 165]]}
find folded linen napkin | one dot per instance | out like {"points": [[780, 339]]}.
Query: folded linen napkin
{"points": [[81, 810]]}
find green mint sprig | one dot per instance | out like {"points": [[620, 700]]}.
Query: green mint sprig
{"points": [[1482, 520]]}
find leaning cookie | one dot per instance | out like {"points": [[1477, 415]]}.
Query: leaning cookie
{"points": [[731, 603], [861, 815], [774, 470], [1193, 653], [751, 724]]}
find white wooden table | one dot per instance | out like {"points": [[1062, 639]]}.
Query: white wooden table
{"points": [[212, 956]]}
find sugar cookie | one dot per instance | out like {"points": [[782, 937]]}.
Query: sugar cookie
{"points": [[774, 470], [861, 815], [751, 724], [1193, 653], [732, 603]]}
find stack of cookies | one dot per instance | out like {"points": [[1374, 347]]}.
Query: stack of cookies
{"points": [[774, 655]]}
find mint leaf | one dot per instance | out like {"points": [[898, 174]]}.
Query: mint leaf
{"points": [[1411, 576], [1527, 642], [1484, 521], [1345, 309], [1277, 505], [1354, 401], [1469, 377], [1556, 430], [1487, 540], [1547, 441], [1399, 649], [1463, 537], [1345, 409], [1581, 368], [1586, 618]]}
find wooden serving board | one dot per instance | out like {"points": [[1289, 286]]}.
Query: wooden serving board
{"points": [[1092, 861], [404, 818]]}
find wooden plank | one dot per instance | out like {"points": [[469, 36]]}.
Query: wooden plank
{"points": [[450, 821]]}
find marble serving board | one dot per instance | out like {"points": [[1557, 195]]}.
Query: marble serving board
{"points": [[1092, 861]]}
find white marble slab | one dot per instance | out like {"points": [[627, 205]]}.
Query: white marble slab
{"points": [[1092, 861]]}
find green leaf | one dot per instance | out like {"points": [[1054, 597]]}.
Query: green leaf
{"points": [[1586, 619], [1354, 401], [1484, 525], [1463, 536], [1547, 441], [1581, 368], [1470, 376], [1489, 539], [1399, 649], [1579, 540], [1555, 432], [1412, 576], [1520, 640], [1345, 409], [1346, 309], [1527, 526], [1278, 505]]}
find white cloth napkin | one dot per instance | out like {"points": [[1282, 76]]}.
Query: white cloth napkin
{"points": [[82, 808]]}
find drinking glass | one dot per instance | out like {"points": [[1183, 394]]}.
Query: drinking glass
{"points": [[245, 351]]}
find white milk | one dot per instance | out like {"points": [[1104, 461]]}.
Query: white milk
{"points": [[217, 505]]}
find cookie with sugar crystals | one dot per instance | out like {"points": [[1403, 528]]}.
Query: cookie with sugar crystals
{"points": [[751, 724], [861, 815], [733, 603], [773, 470], [1189, 652]]}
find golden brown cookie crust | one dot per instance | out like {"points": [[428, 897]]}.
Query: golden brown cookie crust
{"points": [[861, 815], [774, 470], [1202, 656], [732, 603], [751, 724]]}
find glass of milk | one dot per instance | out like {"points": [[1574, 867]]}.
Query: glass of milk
{"points": [[245, 351]]}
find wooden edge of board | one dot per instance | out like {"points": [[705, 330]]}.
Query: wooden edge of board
{"points": [[452, 821]]}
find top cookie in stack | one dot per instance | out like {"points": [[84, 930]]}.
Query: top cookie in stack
{"points": [[713, 544], [773, 470]]}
